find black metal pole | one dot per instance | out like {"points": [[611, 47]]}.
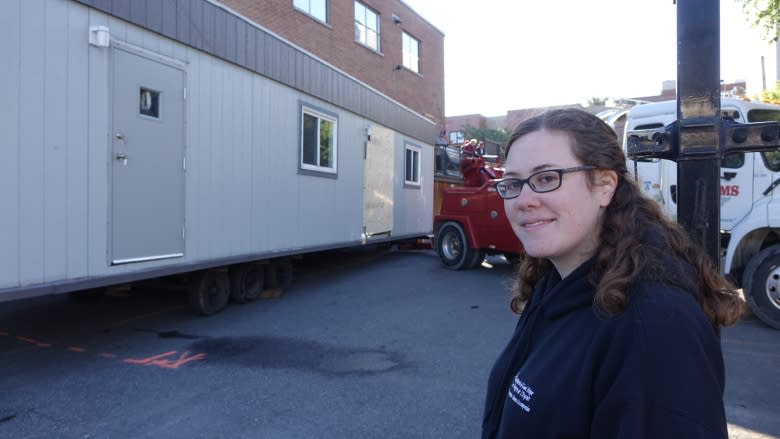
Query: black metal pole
{"points": [[699, 117]]}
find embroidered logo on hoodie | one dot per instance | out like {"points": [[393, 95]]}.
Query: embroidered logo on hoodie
{"points": [[520, 393]]}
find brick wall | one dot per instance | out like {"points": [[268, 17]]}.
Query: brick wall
{"points": [[335, 43]]}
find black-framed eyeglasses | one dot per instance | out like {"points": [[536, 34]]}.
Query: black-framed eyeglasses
{"points": [[540, 182]]}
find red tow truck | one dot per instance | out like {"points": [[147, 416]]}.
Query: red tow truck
{"points": [[471, 223]]}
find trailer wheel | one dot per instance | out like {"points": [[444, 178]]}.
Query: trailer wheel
{"points": [[246, 282], [279, 274], [761, 284], [90, 296], [453, 247], [209, 291]]}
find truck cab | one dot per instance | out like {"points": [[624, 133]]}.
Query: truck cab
{"points": [[749, 201], [472, 222]]}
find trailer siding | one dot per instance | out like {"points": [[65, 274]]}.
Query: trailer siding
{"points": [[213, 29], [10, 117], [244, 194]]}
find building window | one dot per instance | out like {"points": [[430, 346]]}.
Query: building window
{"points": [[411, 53], [316, 8], [412, 165], [456, 137], [318, 141], [366, 26]]}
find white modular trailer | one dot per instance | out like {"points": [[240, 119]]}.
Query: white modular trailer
{"points": [[148, 138]]}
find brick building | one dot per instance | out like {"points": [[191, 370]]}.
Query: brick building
{"points": [[382, 43], [455, 124]]}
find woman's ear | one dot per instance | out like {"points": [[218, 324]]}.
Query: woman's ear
{"points": [[605, 190]]}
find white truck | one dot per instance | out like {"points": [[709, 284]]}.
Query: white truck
{"points": [[749, 201]]}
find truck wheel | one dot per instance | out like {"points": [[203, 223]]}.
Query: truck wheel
{"points": [[279, 274], [513, 258], [761, 284], [209, 291], [453, 247], [476, 260], [246, 282]]}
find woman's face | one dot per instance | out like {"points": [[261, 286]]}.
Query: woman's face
{"points": [[562, 225]]}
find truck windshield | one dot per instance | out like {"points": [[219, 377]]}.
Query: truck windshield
{"points": [[763, 115]]}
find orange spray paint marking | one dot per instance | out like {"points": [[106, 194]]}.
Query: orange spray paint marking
{"points": [[38, 343], [76, 349], [163, 360], [148, 360]]}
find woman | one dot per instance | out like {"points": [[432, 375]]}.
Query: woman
{"points": [[619, 309]]}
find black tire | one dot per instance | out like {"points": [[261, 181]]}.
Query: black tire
{"points": [[279, 274], [453, 247], [90, 296], [477, 258], [761, 285], [513, 258], [209, 291], [246, 282]]}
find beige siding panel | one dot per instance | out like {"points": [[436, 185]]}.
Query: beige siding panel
{"points": [[10, 71], [55, 147], [31, 172]]}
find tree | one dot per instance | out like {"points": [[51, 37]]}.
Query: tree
{"points": [[486, 134], [766, 16], [596, 101], [771, 96]]}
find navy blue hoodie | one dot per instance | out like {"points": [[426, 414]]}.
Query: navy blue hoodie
{"points": [[654, 371]]}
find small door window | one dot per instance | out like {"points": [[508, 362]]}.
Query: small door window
{"points": [[150, 103], [733, 160]]}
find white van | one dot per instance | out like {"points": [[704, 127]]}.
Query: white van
{"points": [[749, 207]]}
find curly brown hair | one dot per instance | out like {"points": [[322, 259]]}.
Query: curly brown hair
{"points": [[637, 241]]}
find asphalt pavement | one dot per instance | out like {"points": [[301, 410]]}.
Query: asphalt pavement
{"points": [[363, 345]]}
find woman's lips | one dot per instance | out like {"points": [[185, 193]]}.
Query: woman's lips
{"points": [[535, 223]]}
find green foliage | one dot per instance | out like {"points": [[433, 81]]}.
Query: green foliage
{"points": [[765, 15], [771, 96], [596, 101], [486, 134], [326, 143]]}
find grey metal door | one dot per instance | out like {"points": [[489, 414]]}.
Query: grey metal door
{"points": [[147, 178], [378, 183]]}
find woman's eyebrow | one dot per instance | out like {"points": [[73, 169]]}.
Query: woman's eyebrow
{"points": [[533, 170]]}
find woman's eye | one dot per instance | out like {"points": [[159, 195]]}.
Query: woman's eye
{"points": [[546, 178]]}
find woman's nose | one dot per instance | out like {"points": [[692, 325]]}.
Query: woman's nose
{"points": [[527, 198]]}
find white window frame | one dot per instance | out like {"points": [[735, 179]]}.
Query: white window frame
{"points": [[410, 50], [320, 116], [362, 26], [414, 167], [457, 137], [308, 8]]}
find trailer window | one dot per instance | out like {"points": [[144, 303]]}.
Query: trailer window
{"points": [[318, 141], [412, 165]]}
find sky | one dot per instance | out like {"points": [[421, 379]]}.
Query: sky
{"points": [[502, 55]]}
